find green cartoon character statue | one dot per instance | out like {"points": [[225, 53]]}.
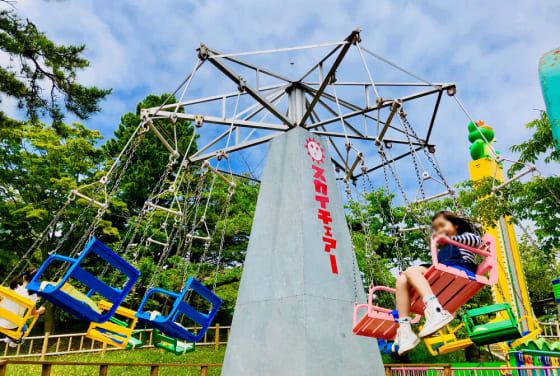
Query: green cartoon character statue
{"points": [[481, 137]]}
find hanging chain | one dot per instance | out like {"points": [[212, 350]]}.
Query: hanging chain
{"points": [[39, 240], [394, 174], [164, 255], [88, 234], [154, 199], [225, 216], [435, 165], [350, 200], [419, 176]]}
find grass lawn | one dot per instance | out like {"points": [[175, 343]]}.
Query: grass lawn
{"points": [[204, 354]]}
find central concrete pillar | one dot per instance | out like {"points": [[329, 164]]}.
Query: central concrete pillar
{"points": [[293, 315]]}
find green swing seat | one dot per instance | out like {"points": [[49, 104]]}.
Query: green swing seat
{"points": [[137, 339], [172, 345], [495, 331]]}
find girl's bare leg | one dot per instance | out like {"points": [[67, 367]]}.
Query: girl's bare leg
{"points": [[403, 295], [415, 278], [406, 338]]}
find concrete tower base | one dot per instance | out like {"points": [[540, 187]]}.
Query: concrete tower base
{"points": [[293, 315]]}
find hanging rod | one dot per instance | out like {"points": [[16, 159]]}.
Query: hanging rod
{"points": [[434, 197], [89, 199], [176, 212], [151, 240], [516, 177]]}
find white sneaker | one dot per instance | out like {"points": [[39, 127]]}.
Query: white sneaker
{"points": [[436, 318], [406, 340], [12, 344]]}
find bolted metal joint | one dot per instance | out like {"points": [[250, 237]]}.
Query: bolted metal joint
{"points": [[221, 154], [242, 87], [198, 121], [203, 52], [173, 118]]}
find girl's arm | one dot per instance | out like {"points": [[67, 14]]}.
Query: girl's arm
{"points": [[468, 239], [39, 311]]}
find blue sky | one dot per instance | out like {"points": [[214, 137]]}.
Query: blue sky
{"points": [[490, 49]]}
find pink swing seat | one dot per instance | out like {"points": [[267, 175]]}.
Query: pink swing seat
{"points": [[452, 286], [374, 321]]}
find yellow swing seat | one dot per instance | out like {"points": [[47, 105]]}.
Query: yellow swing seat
{"points": [[24, 324], [117, 330], [531, 335], [445, 341]]}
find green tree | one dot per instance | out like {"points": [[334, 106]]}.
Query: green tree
{"points": [[41, 75], [539, 272], [40, 167], [151, 157]]}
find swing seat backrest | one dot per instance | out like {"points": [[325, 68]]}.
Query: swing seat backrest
{"points": [[63, 294], [373, 321], [23, 324], [170, 324], [453, 286]]}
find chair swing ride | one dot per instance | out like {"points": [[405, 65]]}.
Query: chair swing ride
{"points": [[454, 288], [98, 298], [179, 205]]}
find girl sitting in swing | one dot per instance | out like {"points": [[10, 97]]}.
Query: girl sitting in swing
{"points": [[444, 224], [19, 285]]}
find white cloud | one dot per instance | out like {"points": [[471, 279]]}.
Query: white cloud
{"points": [[491, 49]]}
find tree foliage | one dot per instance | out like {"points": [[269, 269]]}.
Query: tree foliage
{"points": [[41, 75]]}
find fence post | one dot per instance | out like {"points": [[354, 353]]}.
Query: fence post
{"points": [[217, 337], [103, 370], [387, 370], [3, 366], [203, 370], [45, 345], [154, 370], [46, 369], [103, 349], [447, 370]]}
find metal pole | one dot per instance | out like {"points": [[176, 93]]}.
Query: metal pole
{"points": [[296, 104], [514, 277]]}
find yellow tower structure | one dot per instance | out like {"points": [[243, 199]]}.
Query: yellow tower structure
{"points": [[511, 287]]}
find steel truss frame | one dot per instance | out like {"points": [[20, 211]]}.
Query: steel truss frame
{"points": [[314, 96]]}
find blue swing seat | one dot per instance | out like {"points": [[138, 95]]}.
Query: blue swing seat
{"points": [[65, 296], [168, 324]]}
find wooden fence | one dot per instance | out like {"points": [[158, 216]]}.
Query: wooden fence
{"points": [[390, 369], [103, 368], [76, 343], [550, 330], [450, 370]]}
